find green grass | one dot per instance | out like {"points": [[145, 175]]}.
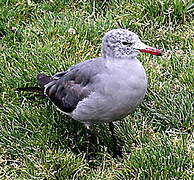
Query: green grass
{"points": [[37, 142]]}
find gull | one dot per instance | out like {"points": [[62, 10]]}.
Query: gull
{"points": [[102, 89]]}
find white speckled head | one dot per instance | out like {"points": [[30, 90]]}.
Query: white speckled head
{"points": [[122, 43]]}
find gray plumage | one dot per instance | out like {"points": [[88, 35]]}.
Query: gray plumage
{"points": [[102, 89]]}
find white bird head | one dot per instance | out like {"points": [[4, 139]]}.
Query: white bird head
{"points": [[122, 43]]}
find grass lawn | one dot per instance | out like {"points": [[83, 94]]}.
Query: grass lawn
{"points": [[38, 142]]}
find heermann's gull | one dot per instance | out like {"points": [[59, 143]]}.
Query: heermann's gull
{"points": [[102, 89]]}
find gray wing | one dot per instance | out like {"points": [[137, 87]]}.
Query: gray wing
{"points": [[68, 88]]}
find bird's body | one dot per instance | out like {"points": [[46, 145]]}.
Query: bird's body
{"points": [[102, 89], [113, 88]]}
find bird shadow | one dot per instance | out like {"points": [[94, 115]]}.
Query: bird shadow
{"points": [[72, 135]]}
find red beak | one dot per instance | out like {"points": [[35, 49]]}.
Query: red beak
{"points": [[147, 49], [151, 51]]}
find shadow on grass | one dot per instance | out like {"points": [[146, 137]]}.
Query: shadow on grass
{"points": [[71, 134]]}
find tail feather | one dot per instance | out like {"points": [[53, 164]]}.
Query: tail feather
{"points": [[42, 81]]}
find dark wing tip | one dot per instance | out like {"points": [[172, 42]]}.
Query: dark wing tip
{"points": [[29, 89]]}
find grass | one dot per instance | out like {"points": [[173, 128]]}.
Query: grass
{"points": [[37, 142]]}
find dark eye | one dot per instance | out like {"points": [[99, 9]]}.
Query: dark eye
{"points": [[126, 43]]}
